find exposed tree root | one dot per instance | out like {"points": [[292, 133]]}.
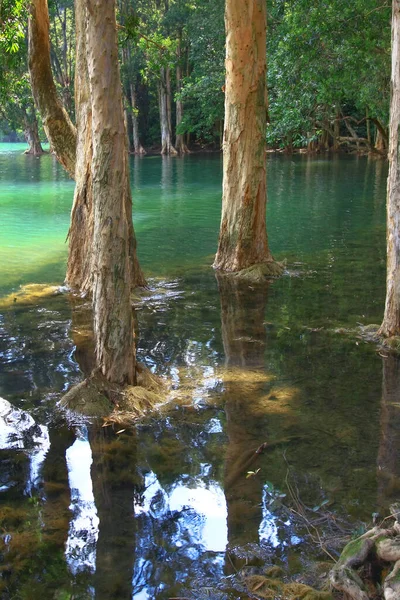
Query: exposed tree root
{"points": [[372, 333], [379, 546], [258, 273], [97, 397]]}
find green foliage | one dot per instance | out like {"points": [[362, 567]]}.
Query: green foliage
{"points": [[323, 58], [202, 89], [326, 61], [12, 33]]}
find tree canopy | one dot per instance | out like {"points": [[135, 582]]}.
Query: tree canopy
{"points": [[328, 70]]}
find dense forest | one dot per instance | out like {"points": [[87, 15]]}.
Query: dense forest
{"points": [[328, 73]]}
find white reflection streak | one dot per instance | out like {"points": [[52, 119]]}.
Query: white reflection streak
{"points": [[268, 530], [17, 427], [80, 550], [207, 502]]}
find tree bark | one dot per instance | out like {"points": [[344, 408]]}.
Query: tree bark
{"points": [[391, 319], [31, 132], [63, 140], [112, 267], [243, 235], [164, 95], [59, 129], [79, 266]]}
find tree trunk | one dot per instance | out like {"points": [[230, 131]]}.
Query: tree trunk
{"points": [[63, 140], [79, 267], [368, 125], [137, 146], [31, 132], [336, 133], [380, 144], [58, 127], [243, 235], [391, 319], [179, 141], [164, 95], [113, 312]]}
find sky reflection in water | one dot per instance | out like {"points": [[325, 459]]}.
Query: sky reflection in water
{"points": [[84, 526]]}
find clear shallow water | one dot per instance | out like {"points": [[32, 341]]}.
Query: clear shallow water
{"points": [[165, 509]]}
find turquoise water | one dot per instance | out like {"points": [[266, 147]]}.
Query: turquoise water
{"points": [[181, 504]]}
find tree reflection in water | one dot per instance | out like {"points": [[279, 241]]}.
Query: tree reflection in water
{"points": [[389, 446]]}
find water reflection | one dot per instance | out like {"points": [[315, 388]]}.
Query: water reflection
{"points": [[83, 532], [115, 480], [18, 430], [244, 340], [160, 510], [389, 446], [257, 414]]}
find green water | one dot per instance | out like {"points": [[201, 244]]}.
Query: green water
{"points": [[164, 509]]}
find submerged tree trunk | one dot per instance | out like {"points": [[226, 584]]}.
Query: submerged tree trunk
{"points": [[112, 267], [243, 236], [59, 129], [391, 319], [31, 132], [164, 96]]}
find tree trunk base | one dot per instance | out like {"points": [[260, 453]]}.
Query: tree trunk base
{"points": [[377, 335], [97, 397], [258, 273], [35, 151]]}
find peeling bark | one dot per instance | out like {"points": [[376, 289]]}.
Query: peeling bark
{"points": [[112, 204], [243, 235], [79, 267], [391, 320], [73, 149]]}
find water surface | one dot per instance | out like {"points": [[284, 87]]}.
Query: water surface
{"points": [[272, 408]]}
